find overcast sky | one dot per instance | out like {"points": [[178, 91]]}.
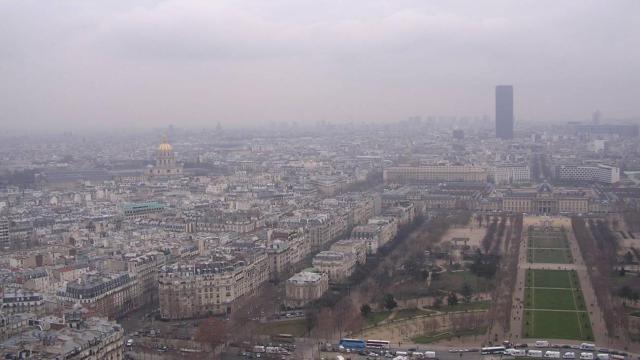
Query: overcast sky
{"points": [[89, 63]]}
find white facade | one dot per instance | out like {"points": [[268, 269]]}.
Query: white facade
{"points": [[339, 266], [597, 173], [509, 174], [434, 173], [305, 287]]}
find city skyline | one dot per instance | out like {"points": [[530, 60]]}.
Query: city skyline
{"points": [[319, 180], [194, 63]]}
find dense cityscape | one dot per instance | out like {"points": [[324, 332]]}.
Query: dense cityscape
{"points": [[312, 180], [221, 241]]}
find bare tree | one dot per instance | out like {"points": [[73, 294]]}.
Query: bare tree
{"points": [[212, 332]]}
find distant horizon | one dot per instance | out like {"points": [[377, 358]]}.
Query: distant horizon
{"points": [[91, 129], [72, 65]]}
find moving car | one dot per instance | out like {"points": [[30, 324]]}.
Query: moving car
{"points": [[586, 356], [534, 353]]}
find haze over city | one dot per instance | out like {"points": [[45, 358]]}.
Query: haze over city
{"points": [[319, 180], [85, 65]]}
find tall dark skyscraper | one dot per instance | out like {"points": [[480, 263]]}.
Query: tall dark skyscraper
{"points": [[504, 111]]}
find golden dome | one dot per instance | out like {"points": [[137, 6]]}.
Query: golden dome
{"points": [[165, 146]]}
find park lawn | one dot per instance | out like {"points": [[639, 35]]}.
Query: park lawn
{"points": [[549, 278], [557, 242], [557, 325], [552, 299], [411, 313], [550, 256], [296, 327], [375, 318]]}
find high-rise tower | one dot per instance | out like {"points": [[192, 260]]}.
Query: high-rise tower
{"points": [[504, 111]]}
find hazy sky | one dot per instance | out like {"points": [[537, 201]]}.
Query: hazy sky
{"points": [[66, 64]]}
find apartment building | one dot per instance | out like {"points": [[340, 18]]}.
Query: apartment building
{"points": [[92, 339], [357, 247], [16, 300], [142, 210], [207, 288], [304, 287], [388, 228], [433, 173], [143, 270], [4, 234], [376, 233], [110, 295], [337, 265], [15, 323], [405, 213]]}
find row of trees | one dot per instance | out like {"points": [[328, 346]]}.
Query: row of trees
{"points": [[337, 310], [493, 236], [599, 251], [506, 272], [484, 265], [628, 293], [489, 235], [632, 219]]}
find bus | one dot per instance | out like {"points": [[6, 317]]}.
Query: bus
{"points": [[283, 338], [378, 344], [492, 350], [353, 344]]}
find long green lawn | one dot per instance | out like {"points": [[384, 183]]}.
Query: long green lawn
{"points": [[550, 256], [557, 325], [554, 306], [552, 299], [549, 279], [558, 242]]}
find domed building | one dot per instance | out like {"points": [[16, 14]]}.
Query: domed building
{"points": [[166, 165]]}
